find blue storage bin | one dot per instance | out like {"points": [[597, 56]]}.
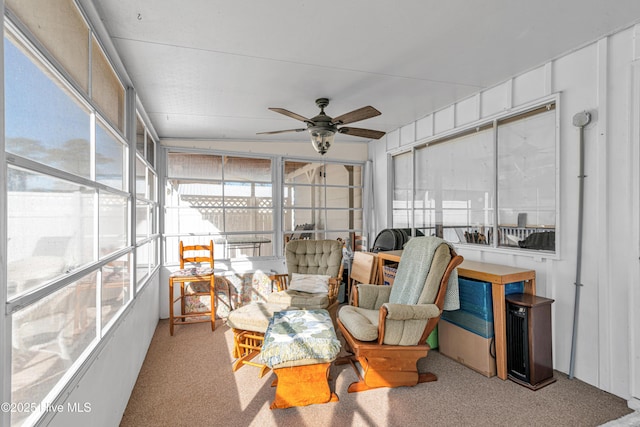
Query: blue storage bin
{"points": [[468, 321], [475, 296]]}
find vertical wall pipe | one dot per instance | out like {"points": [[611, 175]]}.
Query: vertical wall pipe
{"points": [[580, 120]]}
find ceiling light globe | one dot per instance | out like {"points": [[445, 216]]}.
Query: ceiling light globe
{"points": [[322, 139]]}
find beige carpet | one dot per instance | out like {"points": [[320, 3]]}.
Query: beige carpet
{"points": [[186, 380]]}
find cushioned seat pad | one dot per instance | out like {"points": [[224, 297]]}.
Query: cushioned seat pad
{"points": [[303, 300], [253, 317], [362, 323]]}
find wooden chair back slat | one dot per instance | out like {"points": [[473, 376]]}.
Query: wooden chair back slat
{"points": [[198, 258]]}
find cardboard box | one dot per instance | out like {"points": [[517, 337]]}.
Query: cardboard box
{"points": [[467, 348], [389, 274]]}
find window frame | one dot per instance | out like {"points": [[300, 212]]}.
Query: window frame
{"points": [[36, 52], [170, 249], [490, 122], [323, 232]]}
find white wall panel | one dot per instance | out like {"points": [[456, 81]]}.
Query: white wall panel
{"points": [[424, 127], [408, 134], [468, 110], [109, 381], [495, 99], [393, 139], [444, 120], [529, 86], [616, 201]]}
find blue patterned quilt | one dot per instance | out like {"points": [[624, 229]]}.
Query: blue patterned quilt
{"points": [[299, 334]]}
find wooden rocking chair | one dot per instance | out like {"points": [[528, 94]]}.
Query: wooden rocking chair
{"points": [[387, 327]]}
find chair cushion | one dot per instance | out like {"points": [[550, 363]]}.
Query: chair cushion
{"points": [[196, 287], [403, 332], [414, 268], [360, 322], [304, 300], [253, 317], [439, 265], [311, 283], [195, 271], [314, 257]]}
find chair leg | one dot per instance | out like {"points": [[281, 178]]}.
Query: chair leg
{"points": [[171, 306], [212, 291], [182, 305], [246, 346], [381, 370]]}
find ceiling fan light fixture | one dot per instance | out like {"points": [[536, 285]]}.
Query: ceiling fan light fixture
{"points": [[323, 128], [321, 139]]}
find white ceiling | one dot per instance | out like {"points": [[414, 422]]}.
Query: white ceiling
{"points": [[210, 69]]}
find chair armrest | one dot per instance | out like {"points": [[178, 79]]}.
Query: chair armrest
{"points": [[280, 280], [372, 297], [411, 312], [403, 324], [334, 288]]}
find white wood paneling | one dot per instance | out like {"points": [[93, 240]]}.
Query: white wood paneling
{"points": [[529, 86], [495, 99], [424, 127], [393, 140], [596, 78], [444, 119], [634, 265], [408, 134], [468, 110]]}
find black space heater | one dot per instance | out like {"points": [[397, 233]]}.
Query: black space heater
{"points": [[529, 354]]}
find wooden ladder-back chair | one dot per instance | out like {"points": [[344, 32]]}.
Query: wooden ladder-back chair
{"points": [[200, 282], [388, 327]]}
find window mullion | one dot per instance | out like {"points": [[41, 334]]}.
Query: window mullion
{"points": [[495, 227]]}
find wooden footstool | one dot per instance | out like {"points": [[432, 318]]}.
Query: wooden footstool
{"points": [[299, 346]]}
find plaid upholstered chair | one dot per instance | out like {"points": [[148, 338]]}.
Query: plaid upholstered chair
{"points": [[387, 327]]}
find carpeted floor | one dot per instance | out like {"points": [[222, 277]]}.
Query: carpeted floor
{"points": [[186, 380]]}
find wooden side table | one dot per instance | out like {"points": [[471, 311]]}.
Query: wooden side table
{"points": [[498, 276]]}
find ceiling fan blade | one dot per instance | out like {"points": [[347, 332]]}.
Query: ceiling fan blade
{"points": [[281, 131], [356, 115], [289, 114], [364, 133]]}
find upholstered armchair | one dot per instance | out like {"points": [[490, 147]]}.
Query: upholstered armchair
{"points": [[387, 327], [306, 259], [319, 262]]}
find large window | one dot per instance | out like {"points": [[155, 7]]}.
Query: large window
{"points": [[70, 255], [494, 184], [147, 206], [402, 191], [227, 199], [322, 200]]}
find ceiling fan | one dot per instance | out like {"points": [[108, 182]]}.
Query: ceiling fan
{"points": [[323, 128]]}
